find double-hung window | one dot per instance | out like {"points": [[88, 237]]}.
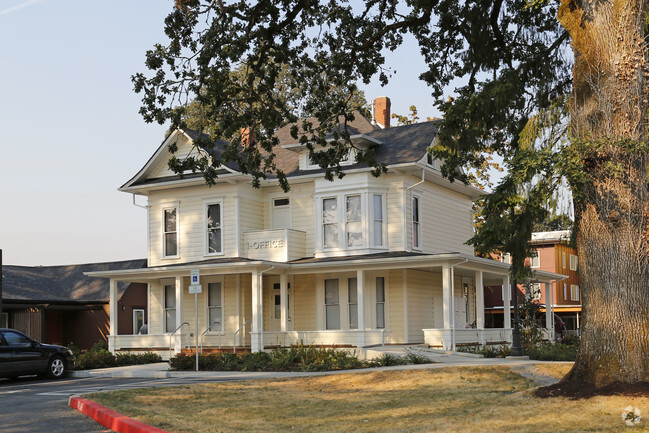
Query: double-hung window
{"points": [[535, 260], [170, 235], [170, 308], [353, 222], [565, 291], [380, 302], [377, 201], [416, 227], [330, 226], [214, 230], [352, 300], [215, 306], [573, 262], [563, 259], [574, 292], [332, 304]]}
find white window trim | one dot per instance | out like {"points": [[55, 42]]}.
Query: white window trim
{"points": [[372, 219], [412, 222], [362, 221], [164, 306], [386, 303], [135, 331], [574, 292], [289, 206], [535, 255], [563, 259], [206, 303], [573, 262], [164, 207], [308, 163], [565, 291], [206, 241]]}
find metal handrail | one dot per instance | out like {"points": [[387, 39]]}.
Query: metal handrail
{"points": [[234, 339], [172, 334], [209, 328]]}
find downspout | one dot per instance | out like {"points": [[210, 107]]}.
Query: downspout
{"points": [[453, 303], [405, 210]]}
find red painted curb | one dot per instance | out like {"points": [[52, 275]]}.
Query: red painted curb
{"points": [[111, 419]]}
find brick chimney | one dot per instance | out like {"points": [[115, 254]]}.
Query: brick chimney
{"points": [[247, 137], [382, 111]]}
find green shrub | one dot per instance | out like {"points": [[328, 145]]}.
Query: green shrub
{"points": [[388, 360], [552, 352], [416, 357], [98, 356]]}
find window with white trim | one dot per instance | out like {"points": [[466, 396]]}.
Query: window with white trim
{"points": [[378, 220], [332, 304], [380, 302], [138, 320], [573, 262], [535, 291], [170, 232], [574, 292], [213, 228], [347, 159], [330, 226], [506, 258], [565, 291], [215, 305], [352, 301], [563, 259], [353, 221], [170, 308], [535, 260], [416, 227]]}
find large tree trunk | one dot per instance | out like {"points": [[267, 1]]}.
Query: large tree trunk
{"points": [[608, 122]]}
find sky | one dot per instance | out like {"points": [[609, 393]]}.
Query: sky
{"points": [[72, 134]]}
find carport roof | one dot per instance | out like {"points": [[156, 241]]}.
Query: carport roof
{"points": [[65, 283]]}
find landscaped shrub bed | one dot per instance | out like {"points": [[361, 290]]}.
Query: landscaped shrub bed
{"points": [[542, 351], [100, 357], [295, 358]]}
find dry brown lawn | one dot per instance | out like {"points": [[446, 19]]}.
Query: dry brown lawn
{"points": [[557, 370], [485, 399]]}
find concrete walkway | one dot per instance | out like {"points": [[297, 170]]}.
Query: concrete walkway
{"points": [[439, 359]]}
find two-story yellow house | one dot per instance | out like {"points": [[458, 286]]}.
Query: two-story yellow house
{"points": [[359, 261]]}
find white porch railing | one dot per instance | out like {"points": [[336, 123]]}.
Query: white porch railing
{"points": [[443, 338], [331, 337], [146, 343]]}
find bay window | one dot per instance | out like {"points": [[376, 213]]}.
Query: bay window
{"points": [[330, 222], [354, 225], [377, 201]]}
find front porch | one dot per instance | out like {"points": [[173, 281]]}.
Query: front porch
{"points": [[361, 301]]}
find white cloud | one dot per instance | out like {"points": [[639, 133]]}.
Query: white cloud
{"points": [[18, 7]]}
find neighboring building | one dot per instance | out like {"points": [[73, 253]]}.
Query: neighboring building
{"points": [[60, 305], [553, 254], [358, 261]]}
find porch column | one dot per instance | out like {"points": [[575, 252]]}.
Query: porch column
{"points": [[179, 314], [479, 310], [283, 299], [507, 315], [549, 320], [447, 294], [113, 314], [256, 343], [360, 293]]}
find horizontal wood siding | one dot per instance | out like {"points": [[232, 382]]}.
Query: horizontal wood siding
{"points": [[420, 302], [302, 217], [305, 303], [446, 219], [395, 224], [156, 300], [191, 219]]}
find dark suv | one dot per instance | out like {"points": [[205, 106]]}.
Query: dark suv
{"points": [[20, 355]]}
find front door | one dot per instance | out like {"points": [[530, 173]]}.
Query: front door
{"points": [[275, 305]]}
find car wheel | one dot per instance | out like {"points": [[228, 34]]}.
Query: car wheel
{"points": [[56, 368]]}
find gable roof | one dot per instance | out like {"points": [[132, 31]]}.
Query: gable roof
{"points": [[65, 283]]}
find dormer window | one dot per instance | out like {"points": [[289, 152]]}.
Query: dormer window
{"points": [[348, 159], [430, 161]]}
